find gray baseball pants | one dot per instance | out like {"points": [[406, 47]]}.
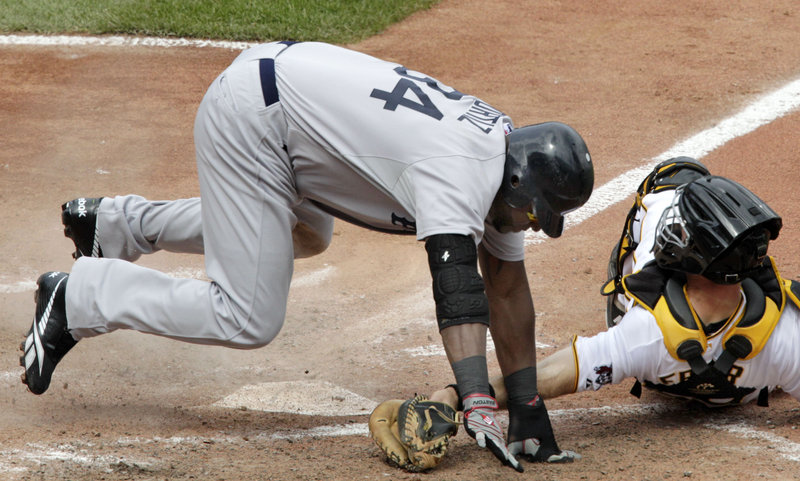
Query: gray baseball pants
{"points": [[243, 222]]}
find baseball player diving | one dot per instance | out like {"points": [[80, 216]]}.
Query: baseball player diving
{"points": [[289, 137], [697, 310]]}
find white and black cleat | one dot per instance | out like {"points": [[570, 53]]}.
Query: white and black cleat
{"points": [[79, 217], [48, 339]]}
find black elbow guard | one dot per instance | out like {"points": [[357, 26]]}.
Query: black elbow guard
{"points": [[458, 289]]}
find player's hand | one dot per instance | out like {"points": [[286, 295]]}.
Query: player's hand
{"points": [[480, 423], [530, 434], [529, 450]]}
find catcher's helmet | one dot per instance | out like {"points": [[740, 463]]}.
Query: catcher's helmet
{"points": [[717, 228], [548, 165]]}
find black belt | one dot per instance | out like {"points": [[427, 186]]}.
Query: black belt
{"points": [[267, 72]]}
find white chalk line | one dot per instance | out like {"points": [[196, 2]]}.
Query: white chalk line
{"points": [[764, 110], [313, 278], [18, 286], [118, 41], [786, 448], [79, 452], [438, 349], [38, 453]]}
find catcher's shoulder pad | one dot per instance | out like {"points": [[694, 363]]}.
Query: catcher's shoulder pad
{"points": [[662, 294]]}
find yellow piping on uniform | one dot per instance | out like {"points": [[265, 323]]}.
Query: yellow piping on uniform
{"points": [[575, 359]]}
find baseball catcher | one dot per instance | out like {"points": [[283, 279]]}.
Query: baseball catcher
{"points": [[697, 310]]}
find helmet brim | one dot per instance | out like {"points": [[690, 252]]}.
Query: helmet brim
{"points": [[551, 222]]}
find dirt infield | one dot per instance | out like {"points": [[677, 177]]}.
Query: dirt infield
{"points": [[634, 77]]}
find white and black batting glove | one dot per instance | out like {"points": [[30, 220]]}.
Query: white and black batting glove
{"points": [[480, 423], [530, 434]]}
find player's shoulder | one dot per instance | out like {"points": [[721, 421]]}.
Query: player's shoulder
{"points": [[657, 201], [638, 323], [784, 336], [789, 320]]}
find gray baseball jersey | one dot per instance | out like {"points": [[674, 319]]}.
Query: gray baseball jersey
{"points": [[289, 135], [390, 147]]}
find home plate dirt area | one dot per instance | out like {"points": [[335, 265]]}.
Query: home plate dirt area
{"points": [[639, 79]]}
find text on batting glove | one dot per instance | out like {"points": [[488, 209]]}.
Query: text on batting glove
{"points": [[480, 423]]}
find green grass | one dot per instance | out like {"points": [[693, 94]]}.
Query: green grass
{"points": [[335, 21]]}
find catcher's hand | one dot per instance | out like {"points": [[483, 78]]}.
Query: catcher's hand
{"points": [[530, 434], [480, 423], [414, 434]]}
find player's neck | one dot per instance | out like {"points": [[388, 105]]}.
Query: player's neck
{"points": [[712, 302]]}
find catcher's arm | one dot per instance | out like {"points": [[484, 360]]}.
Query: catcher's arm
{"points": [[556, 374]]}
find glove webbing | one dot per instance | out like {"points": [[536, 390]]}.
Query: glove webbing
{"points": [[408, 436]]}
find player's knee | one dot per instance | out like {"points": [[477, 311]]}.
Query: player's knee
{"points": [[249, 328], [260, 331]]}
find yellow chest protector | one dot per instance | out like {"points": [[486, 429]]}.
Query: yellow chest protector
{"points": [[662, 293]]}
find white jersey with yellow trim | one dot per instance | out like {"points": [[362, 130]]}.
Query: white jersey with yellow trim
{"points": [[643, 229], [635, 348]]}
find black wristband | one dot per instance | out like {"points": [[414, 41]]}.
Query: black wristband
{"points": [[521, 386], [472, 375], [460, 404]]}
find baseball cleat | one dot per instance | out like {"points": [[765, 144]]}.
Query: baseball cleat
{"points": [[79, 217], [48, 340]]}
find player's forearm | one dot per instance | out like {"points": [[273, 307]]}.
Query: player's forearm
{"points": [[512, 313], [555, 375]]}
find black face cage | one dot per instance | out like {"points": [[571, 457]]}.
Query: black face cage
{"points": [[701, 249], [674, 245]]}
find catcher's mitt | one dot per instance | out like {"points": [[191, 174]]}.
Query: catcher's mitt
{"points": [[414, 433]]}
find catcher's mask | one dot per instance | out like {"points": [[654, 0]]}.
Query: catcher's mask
{"points": [[717, 228], [549, 168]]}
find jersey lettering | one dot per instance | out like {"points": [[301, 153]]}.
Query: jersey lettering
{"points": [[405, 223], [397, 98], [482, 115], [451, 94], [665, 380], [733, 375]]}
